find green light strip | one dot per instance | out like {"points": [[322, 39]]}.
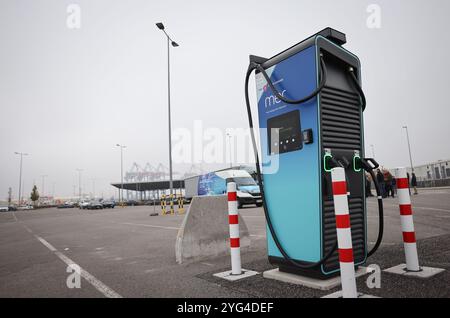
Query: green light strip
{"points": [[327, 155], [354, 163]]}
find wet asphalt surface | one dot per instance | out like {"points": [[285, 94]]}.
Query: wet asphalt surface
{"points": [[132, 253]]}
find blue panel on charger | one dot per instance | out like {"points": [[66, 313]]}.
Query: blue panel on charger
{"points": [[292, 178]]}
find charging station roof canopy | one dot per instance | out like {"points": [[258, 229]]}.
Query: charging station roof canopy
{"points": [[149, 185]]}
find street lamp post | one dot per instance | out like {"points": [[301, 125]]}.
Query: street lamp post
{"points": [[79, 183], [229, 147], [21, 154], [174, 44], [93, 188], [121, 173], [409, 148], [373, 151], [43, 184]]}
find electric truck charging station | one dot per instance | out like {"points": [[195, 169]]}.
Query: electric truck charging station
{"points": [[310, 111]]}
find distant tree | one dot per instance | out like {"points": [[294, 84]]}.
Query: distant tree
{"points": [[34, 195]]}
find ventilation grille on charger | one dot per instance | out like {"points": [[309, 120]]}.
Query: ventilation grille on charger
{"points": [[340, 111], [341, 131]]}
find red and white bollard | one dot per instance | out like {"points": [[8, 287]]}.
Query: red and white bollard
{"points": [[233, 218], [409, 236], [406, 216], [344, 234]]}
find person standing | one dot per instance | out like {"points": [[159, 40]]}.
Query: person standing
{"points": [[388, 183], [394, 186], [409, 183], [414, 183], [380, 179]]}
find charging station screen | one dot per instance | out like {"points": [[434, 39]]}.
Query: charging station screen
{"points": [[284, 133]]}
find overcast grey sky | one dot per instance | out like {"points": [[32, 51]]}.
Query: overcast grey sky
{"points": [[67, 96]]}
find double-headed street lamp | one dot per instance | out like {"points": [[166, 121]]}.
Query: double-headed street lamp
{"points": [[174, 44], [21, 154], [409, 148], [121, 172]]}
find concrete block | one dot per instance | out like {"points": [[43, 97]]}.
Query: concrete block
{"points": [[205, 230], [322, 284], [228, 276], [426, 272]]}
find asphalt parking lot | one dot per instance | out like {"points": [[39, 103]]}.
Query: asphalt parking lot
{"points": [[128, 253]]}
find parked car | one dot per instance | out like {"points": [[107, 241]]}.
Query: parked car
{"points": [[66, 205], [131, 203], [83, 205], [25, 207], [95, 205], [12, 208], [4, 208], [108, 204]]}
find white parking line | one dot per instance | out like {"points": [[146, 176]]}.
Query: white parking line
{"points": [[28, 229], [46, 244], [414, 207], [207, 264], [101, 287], [23, 224], [384, 243], [149, 225], [432, 209]]}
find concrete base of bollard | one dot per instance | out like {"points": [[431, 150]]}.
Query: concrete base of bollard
{"points": [[426, 272], [228, 276], [205, 230], [322, 284], [338, 294]]}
